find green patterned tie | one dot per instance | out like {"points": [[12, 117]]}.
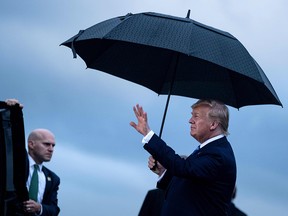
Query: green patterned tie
{"points": [[33, 189]]}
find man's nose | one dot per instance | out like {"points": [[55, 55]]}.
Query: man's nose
{"points": [[191, 120], [51, 148]]}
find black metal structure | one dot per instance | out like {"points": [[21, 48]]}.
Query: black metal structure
{"points": [[13, 160]]}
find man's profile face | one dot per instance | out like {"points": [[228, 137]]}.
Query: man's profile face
{"points": [[200, 123], [42, 149]]}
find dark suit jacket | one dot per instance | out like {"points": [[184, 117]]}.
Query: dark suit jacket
{"points": [[50, 200], [152, 203], [200, 185]]}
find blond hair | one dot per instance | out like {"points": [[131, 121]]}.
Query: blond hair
{"points": [[218, 111]]}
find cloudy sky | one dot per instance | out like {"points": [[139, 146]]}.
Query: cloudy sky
{"points": [[99, 157]]}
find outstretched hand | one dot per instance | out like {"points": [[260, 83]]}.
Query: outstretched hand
{"points": [[142, 125]]}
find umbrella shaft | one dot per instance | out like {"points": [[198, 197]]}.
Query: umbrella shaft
{"points": [[164, 115], [169, 94]]}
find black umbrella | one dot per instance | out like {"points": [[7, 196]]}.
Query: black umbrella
{"points": [[175, 56]]}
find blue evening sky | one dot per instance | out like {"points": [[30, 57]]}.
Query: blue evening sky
{"points": [[99, 157]]}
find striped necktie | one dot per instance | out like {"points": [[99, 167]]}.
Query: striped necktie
{"points": [[33, 189]]}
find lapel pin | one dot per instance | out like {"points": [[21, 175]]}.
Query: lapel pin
{"points": [[48, 178]]}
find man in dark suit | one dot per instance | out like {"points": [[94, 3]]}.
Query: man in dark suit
{"points": [[41, 143], [152, 203], [203, 183]]}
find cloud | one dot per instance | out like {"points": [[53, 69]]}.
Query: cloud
{"points": [[102, 168], [94, 181]]}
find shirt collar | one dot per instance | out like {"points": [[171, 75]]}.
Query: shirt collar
{"points": [[32, 163], [211, 140]]}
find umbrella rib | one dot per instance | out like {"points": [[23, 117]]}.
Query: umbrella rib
{"points": [[72, 43]]}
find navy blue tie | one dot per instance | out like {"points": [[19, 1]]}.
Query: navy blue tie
{"points": [[196, 150]]}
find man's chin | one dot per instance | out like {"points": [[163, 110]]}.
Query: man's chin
{"points": [[47, 159]]}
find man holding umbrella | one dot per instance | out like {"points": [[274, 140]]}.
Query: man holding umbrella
{"points": [[203, 183]]}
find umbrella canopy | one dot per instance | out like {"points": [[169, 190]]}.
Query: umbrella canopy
{"points": [[175, 56]]}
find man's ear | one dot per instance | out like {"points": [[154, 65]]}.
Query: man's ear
{"points": [[214, 125], [30, 144]]}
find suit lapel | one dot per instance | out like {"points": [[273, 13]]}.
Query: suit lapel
{"points": [[48, 182]]}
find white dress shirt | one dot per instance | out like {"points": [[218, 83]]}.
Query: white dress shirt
{"points": [[41, 180]]}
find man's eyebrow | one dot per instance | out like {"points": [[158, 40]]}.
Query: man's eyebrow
{"points": [[48, 143]]}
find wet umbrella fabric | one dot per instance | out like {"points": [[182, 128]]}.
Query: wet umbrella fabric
{"points": [[175, 56]]}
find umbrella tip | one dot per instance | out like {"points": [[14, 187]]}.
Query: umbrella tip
{"points": [[188, 14], [126, 16]]}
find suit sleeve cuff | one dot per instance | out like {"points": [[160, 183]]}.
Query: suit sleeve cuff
{"points": [[41, 211], [147, 138], [161, 176]]}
